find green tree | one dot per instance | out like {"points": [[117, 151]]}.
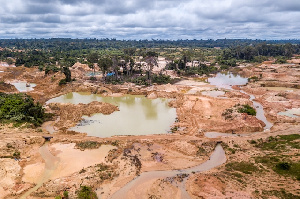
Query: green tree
{"points": [[67, 73], [92, 59], [104, 64]]}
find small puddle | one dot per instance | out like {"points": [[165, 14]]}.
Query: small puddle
{"points": [[226, 80], [217, 158], [137, 116], [294, 113], [23, 86]]}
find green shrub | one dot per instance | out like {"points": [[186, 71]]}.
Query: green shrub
{"points": [[66, 194], [283, 166], [88, 145], [86, 192], [62, 82], [17, 154], [247, 109], [161, 79]]}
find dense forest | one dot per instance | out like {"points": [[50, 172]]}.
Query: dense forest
{"points": [[122, 59], [21, 108], [66, 44]]}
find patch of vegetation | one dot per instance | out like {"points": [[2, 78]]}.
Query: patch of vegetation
{"points": [[288, 169], [20, 108], [141, 80], [102, 167], [244, 167], [49, 69], [88, 145], [16, 155], [174, 129], [62, 82], [279, 194], [201, 151], [278, 143], [66, 194], [247, 109], [281, 60], [161, 79], [115, 143], [231, 150], [86, 192], [281, 165], [228, 113]]}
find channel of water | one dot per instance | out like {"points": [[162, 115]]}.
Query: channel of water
{"points": [[227, 80], [51, 163], [217, 158]]}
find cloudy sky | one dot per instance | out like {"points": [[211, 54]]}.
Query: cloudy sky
{"points": [[150, 19]]}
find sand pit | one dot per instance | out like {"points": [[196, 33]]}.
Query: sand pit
{"points": [[69, 159], [73, 160]]}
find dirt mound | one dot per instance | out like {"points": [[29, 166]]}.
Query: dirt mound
{"points": [[4, 87]]}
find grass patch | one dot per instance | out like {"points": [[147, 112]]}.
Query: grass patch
{"points": [[281, 165], [102, 167], [88, 145], [244, 167], [278, 143], [291, 169], [279, 194]]}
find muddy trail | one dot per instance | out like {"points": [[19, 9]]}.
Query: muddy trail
{"points": [[217, 158], [51, 163]]}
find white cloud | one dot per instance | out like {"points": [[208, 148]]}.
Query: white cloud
{"points": [[144, 19]]}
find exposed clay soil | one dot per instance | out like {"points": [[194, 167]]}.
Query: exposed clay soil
{"points": [[186, 147]]}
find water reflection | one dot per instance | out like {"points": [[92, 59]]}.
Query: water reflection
{"points": [[226, 80]]}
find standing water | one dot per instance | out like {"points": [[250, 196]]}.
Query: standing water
{"points": [[137, 116], [226, 80], [23, 86]]}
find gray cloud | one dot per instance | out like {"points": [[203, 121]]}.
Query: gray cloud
{"points": [[144, 19]]}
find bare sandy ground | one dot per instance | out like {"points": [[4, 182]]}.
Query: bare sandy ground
{"points": [[70, 160]]}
